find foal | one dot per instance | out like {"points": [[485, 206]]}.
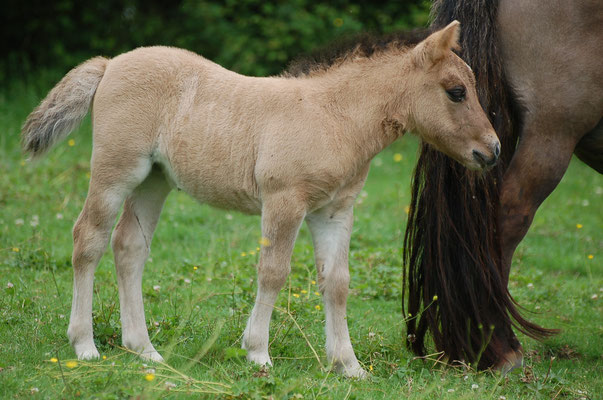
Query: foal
{"points": [[290, 149]]}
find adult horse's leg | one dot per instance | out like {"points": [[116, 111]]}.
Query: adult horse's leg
{"points": [[590, 148], [282, 215], [112, 178], [131, 245], [534, 172], [331, 229]]}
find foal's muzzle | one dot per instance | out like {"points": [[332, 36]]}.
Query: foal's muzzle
{"points": [[485, 161]]}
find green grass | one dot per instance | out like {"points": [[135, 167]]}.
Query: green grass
{"points": [[201, 313]]}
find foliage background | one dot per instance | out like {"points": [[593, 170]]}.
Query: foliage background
{"points": [[253, 37]]}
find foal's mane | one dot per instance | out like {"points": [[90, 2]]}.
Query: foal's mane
{"points": [[348, 48]]}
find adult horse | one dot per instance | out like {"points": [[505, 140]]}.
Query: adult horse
{"points": [[540, 80]]}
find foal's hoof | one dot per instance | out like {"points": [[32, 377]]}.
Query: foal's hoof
{"points": [[353, 370], [259, 358], [87, 352], [511, 360], [152, 356]]}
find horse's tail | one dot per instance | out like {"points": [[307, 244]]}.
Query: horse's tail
{"points": [[451, 246], [64, 107]]}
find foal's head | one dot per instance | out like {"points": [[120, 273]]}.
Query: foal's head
{"points": [[446, 112]]}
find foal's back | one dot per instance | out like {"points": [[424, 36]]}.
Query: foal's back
{"points": [[203, 124]]}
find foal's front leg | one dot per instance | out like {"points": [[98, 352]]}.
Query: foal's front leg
{"points": [[282, 216], [331, 229]]}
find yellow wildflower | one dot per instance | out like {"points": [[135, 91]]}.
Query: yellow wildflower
{"points": [[397, 157], [590, 256], [195, 268], [54, 359], [435, 297], [316, 293], [295, 295], [252, 253], [317, 307], [149, 377], [257, 249], [243, 254], [71, 142], [264, 241], [16, 249], [579, 226], [314, 282], [370, 367], [71, 364], [304, 291]]}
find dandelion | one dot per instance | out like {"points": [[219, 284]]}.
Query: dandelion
{"points": [[314, 282], [71, 142], [590, 256], [243, 254], [16, 249], [317, 307], [195, 268], [54, 360], [257, 249], [264, 241], [71, 364], [304, 291], [149, 377], [435, 297], [397, 157], [252, 253], [579, 226], [104, 357], [316, 293], [295, 295], [370, 367], [338, 22]]}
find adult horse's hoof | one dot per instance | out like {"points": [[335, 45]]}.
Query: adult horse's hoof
{"points": [[511, 360]]}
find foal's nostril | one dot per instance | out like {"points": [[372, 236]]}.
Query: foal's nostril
{"points": [[497, 150]]}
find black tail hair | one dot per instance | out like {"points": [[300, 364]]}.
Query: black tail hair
{"points": [[451, 245]]}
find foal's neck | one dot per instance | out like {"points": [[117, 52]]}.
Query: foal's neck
{"points": [[371, 98]]}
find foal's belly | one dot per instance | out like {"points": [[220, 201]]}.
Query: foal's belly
{"points": [[211, 177]]}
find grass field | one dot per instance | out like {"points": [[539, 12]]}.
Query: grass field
{"points": [[199, 287]]}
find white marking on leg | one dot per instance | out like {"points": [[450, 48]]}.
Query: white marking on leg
{"points": [[331, 231]]}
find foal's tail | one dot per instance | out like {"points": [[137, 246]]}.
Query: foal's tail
{"points": [[64, 107]]}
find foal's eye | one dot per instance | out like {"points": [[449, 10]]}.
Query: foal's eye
{"points": [[456, 94]]}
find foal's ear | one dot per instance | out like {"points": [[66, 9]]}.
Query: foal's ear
{"points": [[438, 44]]}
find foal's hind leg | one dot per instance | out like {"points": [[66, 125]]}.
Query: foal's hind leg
{"points": [[131, 245], [282, 215], [111, 181], [331, 229]]}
